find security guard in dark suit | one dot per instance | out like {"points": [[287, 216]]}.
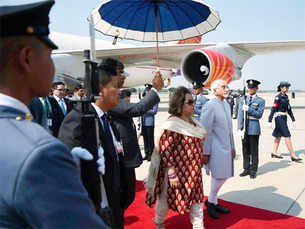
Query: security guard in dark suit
{"points": [[281, 107], [40, 182], [254, 108]]}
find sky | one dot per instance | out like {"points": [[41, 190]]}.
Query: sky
{"points": [[242, 21]]}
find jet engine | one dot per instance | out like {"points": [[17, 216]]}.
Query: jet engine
{"points": [[206, 66]]}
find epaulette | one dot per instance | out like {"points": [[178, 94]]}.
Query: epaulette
{"points": [[27, 117]]}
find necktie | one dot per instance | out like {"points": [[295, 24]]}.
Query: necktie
{"points": [[112, 152], [62, 106], [250, 99], [47, 107]]}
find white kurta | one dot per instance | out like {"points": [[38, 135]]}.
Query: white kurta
{"points": [[219, 141]]}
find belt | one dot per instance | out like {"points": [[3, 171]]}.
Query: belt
{"points": [[252, 118], [280, 113]]}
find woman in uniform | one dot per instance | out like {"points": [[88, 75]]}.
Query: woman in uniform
{"points": [[280, 109]]}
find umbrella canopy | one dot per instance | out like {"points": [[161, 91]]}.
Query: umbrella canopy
{"points": [[155, 20]]}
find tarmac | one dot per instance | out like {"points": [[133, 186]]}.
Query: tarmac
{"points": [[280, 183]]}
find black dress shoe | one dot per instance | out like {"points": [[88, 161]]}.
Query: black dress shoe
{"points": [[296, 159], [244, 173], [276, 156], [220, 209], [253, 175], [211, 209]]}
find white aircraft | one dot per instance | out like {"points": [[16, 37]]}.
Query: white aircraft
{"points": [[196, 62]]}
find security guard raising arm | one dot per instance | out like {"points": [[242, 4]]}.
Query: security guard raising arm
{"points": [[40, 182], [280, 109], [254, 107]]}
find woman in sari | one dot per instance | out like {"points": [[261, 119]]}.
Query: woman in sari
{"points": [[175, 178]]}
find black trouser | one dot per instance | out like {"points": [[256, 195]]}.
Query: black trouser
{"points": [[128, 186], [117, 211], [114, 201], [148, 137], [250, 153]]}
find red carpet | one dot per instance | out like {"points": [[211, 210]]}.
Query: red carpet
{"points": [[139, 216]]}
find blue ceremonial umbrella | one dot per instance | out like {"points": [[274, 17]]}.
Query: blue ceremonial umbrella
{"points": [[154, 20]]}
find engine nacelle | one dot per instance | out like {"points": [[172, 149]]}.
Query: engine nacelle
{"points": [[206, 66]]}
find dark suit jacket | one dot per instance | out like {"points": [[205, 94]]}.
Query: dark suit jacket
{"points": [[40, 185], [77, 130], [121, 116], [58, 115], [37, 110]]}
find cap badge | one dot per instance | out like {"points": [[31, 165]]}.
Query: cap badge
{"points": [[30, 30]]}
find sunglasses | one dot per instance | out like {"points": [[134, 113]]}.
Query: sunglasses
{"points": [[190, 102]]}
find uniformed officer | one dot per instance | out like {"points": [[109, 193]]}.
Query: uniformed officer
{"points": [[40, 182], [253, 109], [280, 109], [199, 99]]}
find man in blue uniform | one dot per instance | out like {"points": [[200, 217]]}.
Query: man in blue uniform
{"points": [[249, 113], [280, 109], [199, 99], [40, 182]]}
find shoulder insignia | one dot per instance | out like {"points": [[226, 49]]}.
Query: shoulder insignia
{"points": [[18, 118], [28, 117]]}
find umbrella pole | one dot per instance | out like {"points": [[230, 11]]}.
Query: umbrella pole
{"points": [[157, 39]]}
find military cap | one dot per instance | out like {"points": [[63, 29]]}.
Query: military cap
{"points": [[197, 85], [28, 19], [283, 84], [125, 93], [253, 83]]}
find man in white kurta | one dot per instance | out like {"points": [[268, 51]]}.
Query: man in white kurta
{"points": [[219, 148]]}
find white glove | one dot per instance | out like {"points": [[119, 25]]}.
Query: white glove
{"points": [[101, 161], [81, 153], [245, 107], [269, 124], [240, 133], [293, 125]]}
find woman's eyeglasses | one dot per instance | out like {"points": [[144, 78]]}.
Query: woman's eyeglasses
{"points": [[190, 102]]}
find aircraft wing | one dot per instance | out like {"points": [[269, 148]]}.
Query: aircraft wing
{"points": [[258, 48], [171, 55]]}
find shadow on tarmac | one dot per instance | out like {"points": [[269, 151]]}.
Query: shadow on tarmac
{"points": [[298, 153], [269, 199], [273, 166]]}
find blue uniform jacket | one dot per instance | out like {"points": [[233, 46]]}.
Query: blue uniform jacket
{"points": [[149, 116], [200, 100], [40, 183], [281, 104], [255, 112]]}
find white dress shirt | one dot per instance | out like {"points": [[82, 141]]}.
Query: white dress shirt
{"points": [[59, 100]]}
